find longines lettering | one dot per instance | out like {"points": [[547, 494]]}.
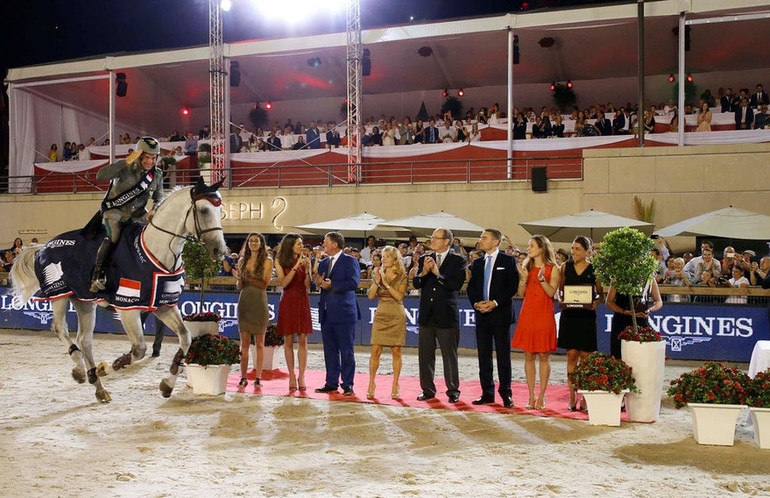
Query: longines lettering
{"points": [[719, 326]]}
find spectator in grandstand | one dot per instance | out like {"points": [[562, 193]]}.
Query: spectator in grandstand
{"points": [[419, 132], [760, 97], [474, 135], [759, 272], [708, 264], [273, 142], [704, 118], [673, 125], [447, 133], [689, 266], [389, 135], [174, 137], [403, 249], [677, 277], [204, 132], [371, 247], [376, 264], [745, 260], [519, 125], [287, 138], [728, 258], [603, 125], [744, 116], [300, 143], [457, 247], [620, 124], [762, 119], [660, 272], [53, 154], [649, 120], [738, 281], [557, 125], [333, 138], [708, 98], [66, 152], [726, 100], [190, 144], [299, 128], [462, 132], [687, 257], [375, 138], [313, 136]]}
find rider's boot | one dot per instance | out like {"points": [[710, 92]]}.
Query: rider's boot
{"points": [[98, 280]]}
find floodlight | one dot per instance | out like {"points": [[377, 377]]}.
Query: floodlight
{"points": [[461, 93], [226, 5]]}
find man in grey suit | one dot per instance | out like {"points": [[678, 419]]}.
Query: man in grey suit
{"points": [[439, 276]]}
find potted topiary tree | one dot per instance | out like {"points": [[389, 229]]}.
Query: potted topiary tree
{"points": [[624, 261], [603, 381], [200, 268], [208, 363], [715, 394]]}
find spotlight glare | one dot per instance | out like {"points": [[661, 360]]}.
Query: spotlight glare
{"points": [[671, 78], [460, 92], [689, 77], [298, 11], [445, 93], [269, 106], [553, 86], [185, 111], [226, 5], [569, 84]]}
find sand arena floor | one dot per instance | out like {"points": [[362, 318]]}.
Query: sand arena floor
{"points": [[56, 440]]}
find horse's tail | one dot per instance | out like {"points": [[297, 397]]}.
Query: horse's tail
{"points": [[23, 277]]}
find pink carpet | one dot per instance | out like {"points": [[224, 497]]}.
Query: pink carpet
{"points": [[276, 383]]}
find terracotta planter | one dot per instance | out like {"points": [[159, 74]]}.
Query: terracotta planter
{"points": [[714, 424], [211, 379], [200, 328], [271, 358], [760, 419], [648, 361], [603, 406]]}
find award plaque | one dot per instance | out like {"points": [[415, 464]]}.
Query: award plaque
{"points": [[577, 296]]}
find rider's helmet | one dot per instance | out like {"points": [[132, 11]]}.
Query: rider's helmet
{"points": [[148, 145]]}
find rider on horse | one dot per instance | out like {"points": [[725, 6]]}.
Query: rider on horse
{"points": [[133, 181]]}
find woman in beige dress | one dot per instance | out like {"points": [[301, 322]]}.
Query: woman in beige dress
{"points": [[704, 118], [253, 275], [389, 326]]}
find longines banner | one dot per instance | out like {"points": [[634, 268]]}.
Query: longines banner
{"points": [[693, 332]]}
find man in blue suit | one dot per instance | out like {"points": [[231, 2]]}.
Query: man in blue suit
{"points": [[338, 277]]}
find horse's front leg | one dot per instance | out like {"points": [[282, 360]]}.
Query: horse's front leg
{"points": [[131, 321], [86, 322], [171, 316], [59, 327]]}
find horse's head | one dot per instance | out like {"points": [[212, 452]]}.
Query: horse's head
{"points": [[207, 217]]}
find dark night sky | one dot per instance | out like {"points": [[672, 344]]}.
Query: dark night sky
{"points": [[41, 31]]}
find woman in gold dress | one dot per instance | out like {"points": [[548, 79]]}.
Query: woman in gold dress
{"points": [[389, 327]]}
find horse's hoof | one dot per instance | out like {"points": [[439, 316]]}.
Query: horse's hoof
{"points": [[165, 389], [79, 375], [103, 396], [101, 369], [121, 361]]}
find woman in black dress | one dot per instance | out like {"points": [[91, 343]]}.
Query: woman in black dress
{"points": [[620, 305], [577, 326]]}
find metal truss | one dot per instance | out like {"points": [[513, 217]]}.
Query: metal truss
{"points": [[354, 52]]}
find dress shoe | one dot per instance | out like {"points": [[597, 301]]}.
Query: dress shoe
{"points": [[507, 402], [347, 391], [483, 400], [425, 397], [155, 353], [326, 389], [454, 398]]}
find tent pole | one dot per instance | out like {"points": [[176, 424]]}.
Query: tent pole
{"points": [[640, 48], [228, 128], [680, 98], [13, 167], [509, 110], [111, 118]]}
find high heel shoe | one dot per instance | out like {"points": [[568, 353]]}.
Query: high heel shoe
{"points": [[394, 394], [292, 385], [541, 406], [243, 382], [257, 382], [370, 391]]}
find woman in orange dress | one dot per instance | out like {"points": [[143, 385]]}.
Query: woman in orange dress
{"points": [[536, 327]]}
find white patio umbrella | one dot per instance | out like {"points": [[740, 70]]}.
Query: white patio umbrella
{"points": [[424, 224], [594, 224], [730, 223], [359, 225]]}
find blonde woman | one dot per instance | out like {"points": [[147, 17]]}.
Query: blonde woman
{"points": [[389, 326], [253, 274], [536, 329]]}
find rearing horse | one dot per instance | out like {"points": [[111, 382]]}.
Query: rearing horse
{"points": [[187, 213]]}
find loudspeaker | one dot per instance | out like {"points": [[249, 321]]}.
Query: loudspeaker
{"points": [[516, 54], [366, 63], [539, 179], [122, 87], [235, 73]]}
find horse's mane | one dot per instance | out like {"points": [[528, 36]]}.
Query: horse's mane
{"points": [[170, 194]]}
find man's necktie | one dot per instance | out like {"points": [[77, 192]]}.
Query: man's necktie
{"points": [[438, 260], [487, 276]]}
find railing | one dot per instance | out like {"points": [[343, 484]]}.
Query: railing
{"points": [[263, 175]]}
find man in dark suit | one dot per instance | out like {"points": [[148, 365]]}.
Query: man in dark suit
{"points": [[494, 281], [312, 136], [603, 124], [727, 101], [338, 277], [744, 116], [439, 276], [431, 132], [760, 97], [619, 123]]}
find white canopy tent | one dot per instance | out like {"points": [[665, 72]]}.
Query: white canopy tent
{"points": [[594, 224], [730, 223], [593, 47]]}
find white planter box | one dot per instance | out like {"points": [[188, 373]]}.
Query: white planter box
{"points": [[714, 424], [271, 359], [200, 328], [760, 418], [603, 406], [211, 379], [648, 361]]}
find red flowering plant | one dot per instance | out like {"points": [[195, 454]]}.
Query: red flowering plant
{"points": [[272, 337], [602, 372], [641, 334], [713, 383], [759, 390], [207, 316], [208, 349]]}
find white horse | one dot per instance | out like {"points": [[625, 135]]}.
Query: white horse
{"points": [[186, 213]]}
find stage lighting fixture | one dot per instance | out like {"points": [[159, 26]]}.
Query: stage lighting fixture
{"points": [[269, 106], [185, 111], [553, 86], [516, 54], [569, 84], [121, 87], [226, 5], [689, 77], [445, 93], [671, 78], [461, 93]]}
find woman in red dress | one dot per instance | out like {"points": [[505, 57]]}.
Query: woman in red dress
{"points": [[293, 270], [536, 328]]}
